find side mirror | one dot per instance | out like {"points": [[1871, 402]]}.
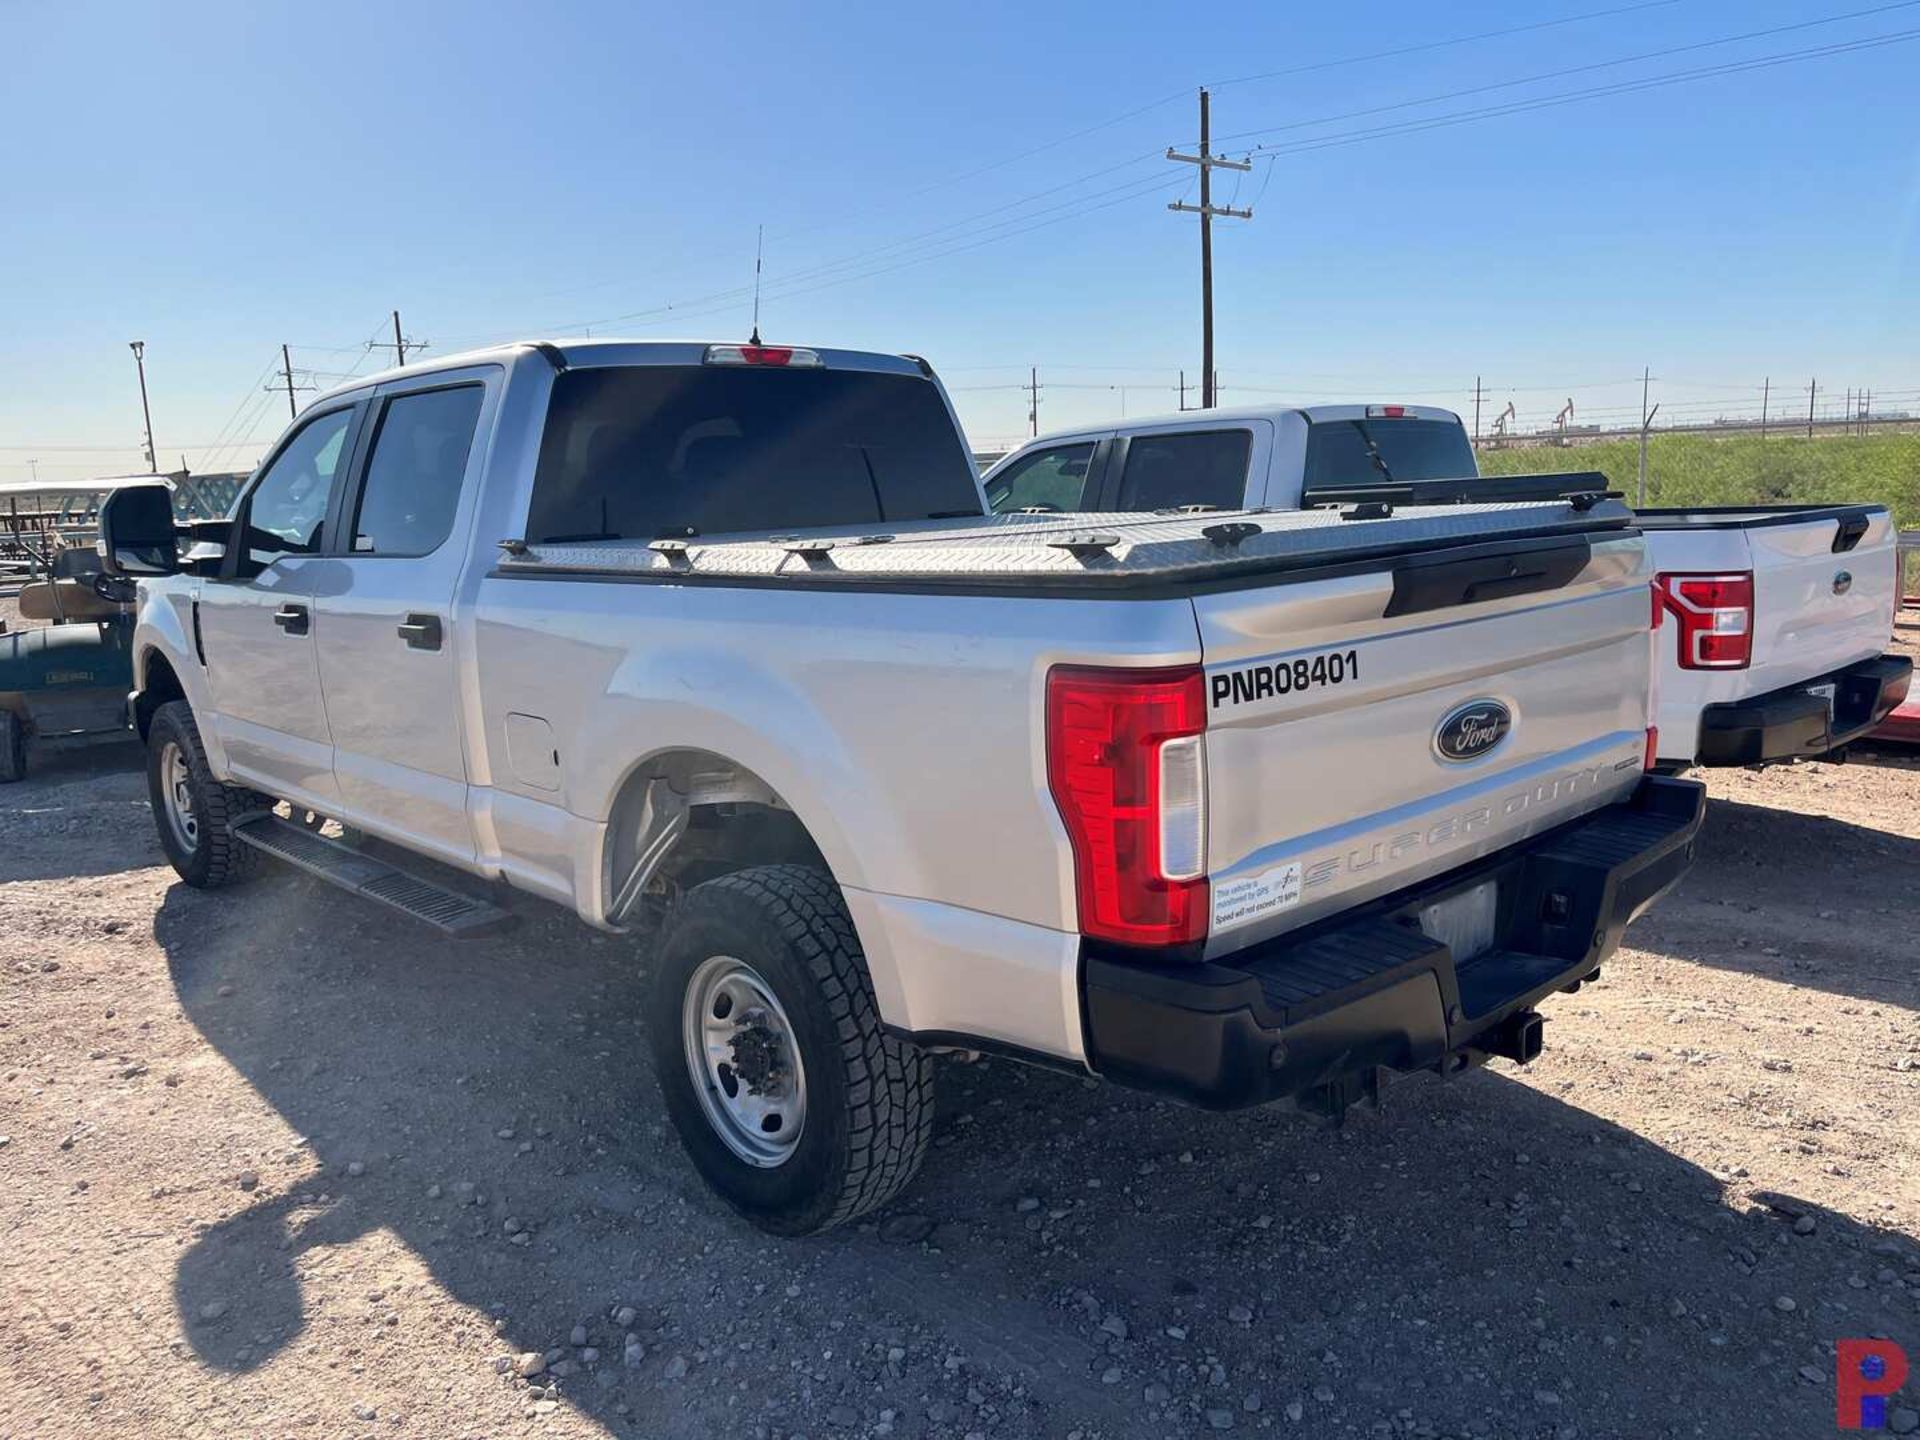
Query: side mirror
{"points": [[137, 534]]}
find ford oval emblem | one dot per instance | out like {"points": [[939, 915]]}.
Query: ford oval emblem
{"points": [[1843, 582], [1471, 730]]}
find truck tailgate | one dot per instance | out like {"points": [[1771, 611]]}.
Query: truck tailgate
{"points": [[1364, 734], [1816, 609]]}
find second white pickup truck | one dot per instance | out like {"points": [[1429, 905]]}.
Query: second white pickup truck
{"points": [[1779, 616], [1229, 808]]}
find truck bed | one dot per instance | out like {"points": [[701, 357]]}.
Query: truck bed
{"points": [[1081, 551]]}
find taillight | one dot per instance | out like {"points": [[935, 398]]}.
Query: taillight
{"points": [[1653, 748], [1126, 763], [1715, 615]]}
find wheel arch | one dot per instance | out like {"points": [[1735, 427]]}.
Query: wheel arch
{"points": [[156, 681], [683, 815]]}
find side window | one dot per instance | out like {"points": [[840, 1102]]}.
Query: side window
{"points": [[286, 508], [414, 470], [1202, 467], [1055, 479]]}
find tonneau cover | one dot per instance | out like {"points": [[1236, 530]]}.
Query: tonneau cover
{"points": [[1075, 550]]}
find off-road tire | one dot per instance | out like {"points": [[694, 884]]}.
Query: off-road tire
{"points": [[869, 1100], [218, 858], [13, 748]]}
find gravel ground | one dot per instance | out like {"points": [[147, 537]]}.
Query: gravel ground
{"points": [[274, 1162]]}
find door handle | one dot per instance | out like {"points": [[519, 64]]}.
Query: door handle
{"points": [[292, 619], [421, 632]]}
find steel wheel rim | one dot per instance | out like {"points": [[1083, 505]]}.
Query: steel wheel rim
{"points": [[744, 1061], [176, 796]]}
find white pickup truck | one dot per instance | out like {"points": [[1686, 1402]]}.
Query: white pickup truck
{"points": [[1780, 615], [1232, 809]]}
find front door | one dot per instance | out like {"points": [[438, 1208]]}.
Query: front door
{"points": [[384, 614], [257, 624]]}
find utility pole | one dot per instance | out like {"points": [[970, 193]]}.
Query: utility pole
{"points": [[1476, 411], [1766, 387], [1812, 386], [286, 376], [400, 344], [1646, 424], [1206, 210], [1033, 400], [1183, 389], [139, 348]]}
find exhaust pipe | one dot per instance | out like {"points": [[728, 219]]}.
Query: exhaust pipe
{"points": [[1518, 1038]]}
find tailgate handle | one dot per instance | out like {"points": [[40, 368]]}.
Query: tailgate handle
{"points": [[1852, 527], [1438, 584]]}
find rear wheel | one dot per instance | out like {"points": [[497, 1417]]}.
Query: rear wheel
{"points": [[13, 748], [791, 1099], [193, 811]]}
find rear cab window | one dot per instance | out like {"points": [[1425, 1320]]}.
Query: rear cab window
{"points": [[1198, 467], [660, 451], [1373, 450]]}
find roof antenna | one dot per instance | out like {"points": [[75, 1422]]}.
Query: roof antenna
{"points": [[759, 236]]}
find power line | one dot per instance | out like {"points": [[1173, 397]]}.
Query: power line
{"points": [[863, 256], [1307, 68], [1443, 44], [1591, 66], [1626, 87]]}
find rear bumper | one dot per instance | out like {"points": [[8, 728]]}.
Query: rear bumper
{"points": [[1794, 723], [1369, 989]]}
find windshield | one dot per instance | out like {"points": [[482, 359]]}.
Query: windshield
{"points": [[1370, 451], [647, 451]]}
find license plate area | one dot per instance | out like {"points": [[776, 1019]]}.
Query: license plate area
{"points": [[1465, 921]]}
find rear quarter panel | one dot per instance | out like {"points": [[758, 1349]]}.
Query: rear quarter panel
{"points": [[906, 730]]}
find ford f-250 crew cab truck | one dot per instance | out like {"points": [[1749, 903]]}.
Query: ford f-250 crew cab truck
{"points": [[1229, 808], [1781, 615]]}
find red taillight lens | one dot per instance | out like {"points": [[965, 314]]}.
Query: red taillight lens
{"points": [[1715, 615], [781, 356], [1653, 747], [1126, 770]]}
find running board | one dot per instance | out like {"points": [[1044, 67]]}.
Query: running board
{"points": [[460, 917]]}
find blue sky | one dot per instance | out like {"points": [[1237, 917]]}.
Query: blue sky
{"points": [[216, 179]]}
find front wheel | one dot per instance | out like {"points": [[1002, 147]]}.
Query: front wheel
{"points": [[192, 810], [791, 1099]]}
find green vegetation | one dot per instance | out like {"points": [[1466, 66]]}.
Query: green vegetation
{"points": [[1743, 470]]}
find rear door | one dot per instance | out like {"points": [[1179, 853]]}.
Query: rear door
{"points": [[1366, 732], [256, 622], [383, 601]]}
